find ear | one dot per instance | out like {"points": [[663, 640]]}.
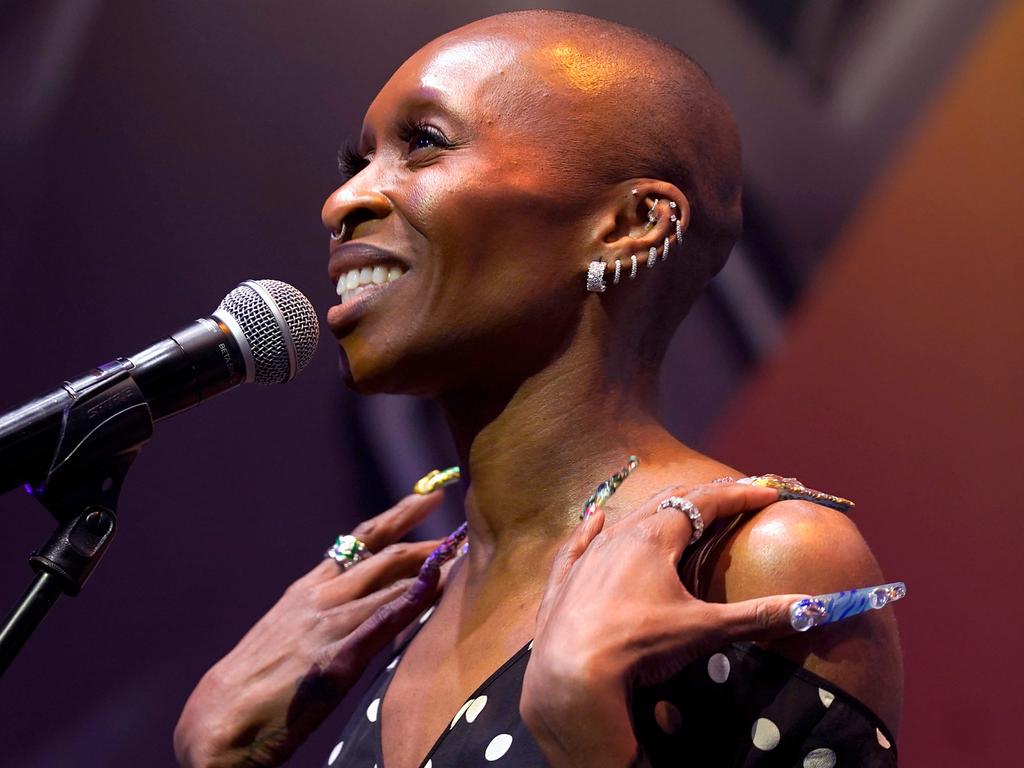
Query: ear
{"points": [[639, 215]]}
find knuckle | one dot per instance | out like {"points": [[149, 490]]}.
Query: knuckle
{"points": [[396, 550], [365, 529], [763, 615]]}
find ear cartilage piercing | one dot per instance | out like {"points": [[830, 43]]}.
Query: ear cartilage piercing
{"points": [[664, 250], [339, 234], [671, 203], [595, 277], [679, 231], [632, 270], [652, 257], [618, 271], [652, 215], [634, 192]]}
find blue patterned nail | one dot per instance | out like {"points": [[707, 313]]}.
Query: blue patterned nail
{"points": [[828, 609]]}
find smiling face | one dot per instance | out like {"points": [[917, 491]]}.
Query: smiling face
{"points": [[457, 183], [497, 163]]}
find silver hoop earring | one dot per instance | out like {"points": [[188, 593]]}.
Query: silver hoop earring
{"points": [[632, 269], [595, 277], [618, 271]]}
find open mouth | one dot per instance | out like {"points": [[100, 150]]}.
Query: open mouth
{"points": [[355, 281]]}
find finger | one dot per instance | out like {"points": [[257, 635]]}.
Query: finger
{"points": [[712, 501], [762, 618], [395, 561], [346, 659], [343, 619], [388, 527], [566, 558]]}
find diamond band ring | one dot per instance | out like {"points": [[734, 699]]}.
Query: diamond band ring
{"points": [[689, 509]]}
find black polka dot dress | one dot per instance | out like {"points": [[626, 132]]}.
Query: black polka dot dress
{"points": [[742, 706]]}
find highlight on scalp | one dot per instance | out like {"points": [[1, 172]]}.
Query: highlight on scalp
{"points": [[639, 108]]}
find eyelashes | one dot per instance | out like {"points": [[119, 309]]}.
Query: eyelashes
{"points": [[350, 162], [419, 138]]}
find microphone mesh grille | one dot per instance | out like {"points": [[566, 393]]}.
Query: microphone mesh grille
{"points": [[267, 339]]}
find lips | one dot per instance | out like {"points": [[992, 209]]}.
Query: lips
{"points": [[360, 273]]}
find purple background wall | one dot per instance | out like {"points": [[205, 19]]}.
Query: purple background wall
{"points": [[155, 154]]}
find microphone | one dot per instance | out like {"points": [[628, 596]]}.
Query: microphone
{"points": [[264, 331]]}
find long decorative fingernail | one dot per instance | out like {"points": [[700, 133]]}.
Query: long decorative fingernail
{"points": [[836, 606], [425, 581], [448, 548], [605, 489], [436, 478], [790, 488]]}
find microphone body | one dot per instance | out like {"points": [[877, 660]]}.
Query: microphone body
{"points": [[248, 338]]}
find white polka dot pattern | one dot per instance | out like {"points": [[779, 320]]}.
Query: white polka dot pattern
{"points": [[394, 663], [476, 708], [335, 752], [371, 711], [498, 747], [458, 714], [882, 741], [827, 697], [820, 758], [718, 667], [426, 614], [765, 734]]}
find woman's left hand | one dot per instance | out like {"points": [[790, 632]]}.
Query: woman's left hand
{"points": [[615, 615]]}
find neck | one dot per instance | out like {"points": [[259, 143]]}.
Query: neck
{"points": [[532, 454]]}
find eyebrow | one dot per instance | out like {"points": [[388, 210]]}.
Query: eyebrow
{"points": [[425, 99]]}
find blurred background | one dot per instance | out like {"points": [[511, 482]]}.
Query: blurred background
{"points": [[866, 335]]}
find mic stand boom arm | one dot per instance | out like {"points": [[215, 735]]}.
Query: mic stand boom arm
{"points": [[103, 428]]}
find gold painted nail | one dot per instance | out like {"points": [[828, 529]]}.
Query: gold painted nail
{"points": [[436, 478]]}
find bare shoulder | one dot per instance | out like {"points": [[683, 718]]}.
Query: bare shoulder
{"points": [[799, 547]]}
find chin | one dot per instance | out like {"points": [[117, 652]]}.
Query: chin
{"points": [[382, 375]]}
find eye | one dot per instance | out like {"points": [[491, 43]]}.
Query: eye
{"points": [[350, 162], [423, 136]]}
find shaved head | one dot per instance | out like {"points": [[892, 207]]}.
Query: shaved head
{"points": [[500, 160], [616, 104]]}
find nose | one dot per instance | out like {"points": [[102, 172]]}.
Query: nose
{"points": [[353, 202]]}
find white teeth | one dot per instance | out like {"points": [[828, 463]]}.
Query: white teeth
{"points": [[355, 281]]}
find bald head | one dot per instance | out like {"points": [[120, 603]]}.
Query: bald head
{"points": [[616, 104]]}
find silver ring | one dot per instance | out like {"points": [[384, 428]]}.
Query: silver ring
{"points": [[689, 509], [346, 551], [338, 234]]}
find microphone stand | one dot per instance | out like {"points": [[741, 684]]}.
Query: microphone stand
{"points": [[102, 430]]}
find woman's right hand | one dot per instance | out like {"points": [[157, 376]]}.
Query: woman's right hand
{"points": [[260, 702]]}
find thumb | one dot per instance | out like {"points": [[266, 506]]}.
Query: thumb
{"points": [[762, 618]]}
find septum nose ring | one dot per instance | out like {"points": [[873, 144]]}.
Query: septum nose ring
{"points": [[339, 234]]}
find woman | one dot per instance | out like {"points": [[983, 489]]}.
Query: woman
{"points": [[535, 201]]}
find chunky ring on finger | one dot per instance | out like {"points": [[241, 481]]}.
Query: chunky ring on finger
{"points": [[346, 551], [689, 509]]}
